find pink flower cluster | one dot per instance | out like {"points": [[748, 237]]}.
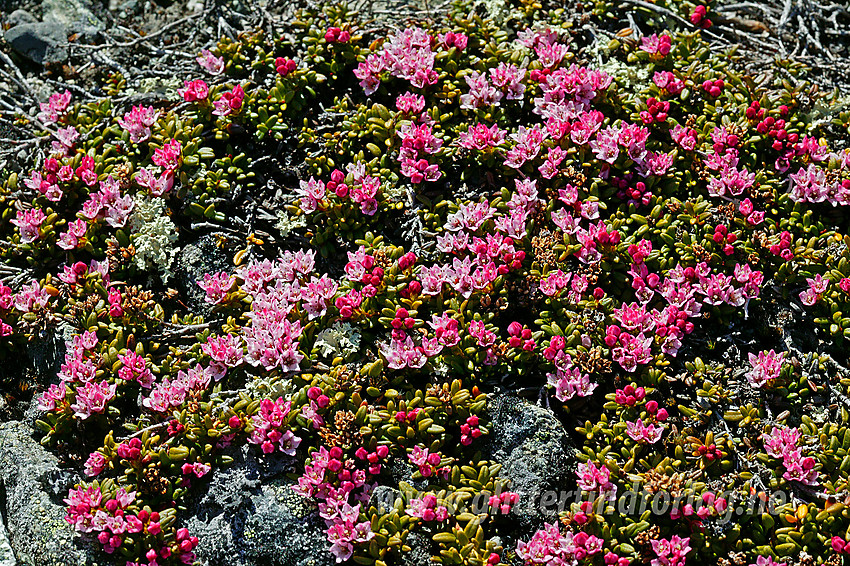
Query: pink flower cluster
{"points": [[426, 508], [667, 81], [337, 35], [329, 468], [709, 505], [568, 380], [268, 422], [64, 141], [502, 502], [167, 395], [427, 462], [135, 368], [229, 102], [592, 478], [284, 66], [670, 552], [54, 108], [766, 367], [214, 65], [138, 121], [226, 352], [839, 545], [817, 287], [217, 286], [656, 45], [469, 430], [549, 547], [108, 204], [782, 443], [406, 54], [418, 140], [29, 222], [644, 433], [194, 91], [272, 339]]}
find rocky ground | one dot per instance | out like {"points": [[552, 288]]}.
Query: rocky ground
{"points": [[247, 515]]}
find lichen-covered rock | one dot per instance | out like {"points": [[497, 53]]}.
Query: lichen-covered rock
{"points": [[193, 261], [34, 485], [533, 448], [249, 515], [7, 555]]}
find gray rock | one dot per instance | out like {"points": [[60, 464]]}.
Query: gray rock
{"points": [[533, 448], [41, 42], [31, 501], [74, 15], [20, 17], [7, 556], [249, 515]]}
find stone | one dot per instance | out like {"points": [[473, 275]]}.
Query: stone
{"points": [[40, 42], [533, 448], [250, 516], [74, 15], [7, 556], [20, 17], [32, 487], [193, 261]]}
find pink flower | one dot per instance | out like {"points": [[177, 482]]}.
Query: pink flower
{"points": [[403, 353], [569, 381], [337, 35], [479, 331], [70, 239], [509, 77], [52, 397], [92, 397], [452, 39], [731, 181], [312, 192], [670, 552], [685, 137], [817, 287], [134, 368], [216, 286], [481, 137], [28, 223], [284, 66], [666, 80], [31, 297], [406, 54], [56, 105], [138, 121], [214, 65], [410, 103], [65, 140], [655, 45], [644, 433], [116, 309], [157, 185], [229, 102], [606, 145], [168, 156], [766, 367], [226, 349], [592, 478], [548, 547], [194, 91], [95, 464], [528, 143], [446, 329]]}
